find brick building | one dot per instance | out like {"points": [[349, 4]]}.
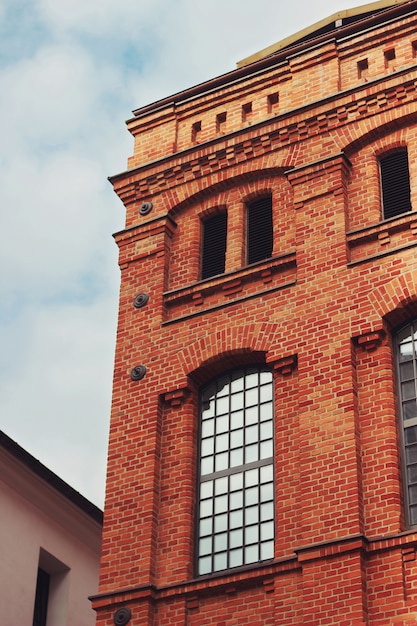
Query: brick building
{"points": [[263, 447]]}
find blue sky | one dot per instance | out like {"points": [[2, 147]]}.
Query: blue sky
{"points": [[71, 72]]}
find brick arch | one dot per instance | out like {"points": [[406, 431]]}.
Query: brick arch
{"points": [[396, 301], [228, 347], [224, 186], [376, 132]]}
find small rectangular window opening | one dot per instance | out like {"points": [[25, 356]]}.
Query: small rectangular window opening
{"points": [[414, 47], [363, 69], [389, 58], [41, 598], [221, 122], [273, 100], [213, 257], [246, 111], [195, 131]]}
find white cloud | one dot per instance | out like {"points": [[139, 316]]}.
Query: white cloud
{"points": [[72, 71]]}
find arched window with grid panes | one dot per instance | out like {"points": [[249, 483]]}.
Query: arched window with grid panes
{"points": [[406, 359], [235, 520]]}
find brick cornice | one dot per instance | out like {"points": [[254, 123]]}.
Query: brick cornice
{"points": [[378, 96]]}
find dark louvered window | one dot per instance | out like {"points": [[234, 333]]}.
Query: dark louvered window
{"points": [[214, 245], [259, 228], [395, 183]]}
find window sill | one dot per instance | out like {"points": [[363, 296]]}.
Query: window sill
{"points": [[383, 238], [219, 291]]}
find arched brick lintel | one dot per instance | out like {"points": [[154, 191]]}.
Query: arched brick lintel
{"points": [[396, 301], [228, 347]]}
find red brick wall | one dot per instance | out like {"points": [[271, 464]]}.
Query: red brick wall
{"points": [[320, 312]]}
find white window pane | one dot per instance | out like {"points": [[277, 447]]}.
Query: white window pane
{"points": [[267, 550], [220, 561], [252, 554]]}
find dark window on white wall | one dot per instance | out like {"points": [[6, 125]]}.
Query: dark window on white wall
{"points": [[41, 598], [236, 474], [406, 345], [259, 229], [214, 245], [395, 183]]}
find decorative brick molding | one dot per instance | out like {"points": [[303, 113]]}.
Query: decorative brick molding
{"points": [[371, 341], [176, 398], [285, 365]]}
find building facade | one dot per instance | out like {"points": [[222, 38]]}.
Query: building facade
{"points": [[50, 541], [263, 443]]}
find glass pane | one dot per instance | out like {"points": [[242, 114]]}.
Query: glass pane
{"points": [[236, 538], [222, 424], [412, 494], [251, 453], [412, 474], [251, 397], [252, 496], [252, 534], [251, 434], [411, 454], [220, 561], [207, 446], [220, 542], [252, 554], [265, 377], [266, 412], [206, 527], [405, 334], [406, 370], [205, 546], [409, 409], [222, 461], [266, 449], [236, 438], [236, 481], [206, 508], [220, 485], [236, 402], [251, 478], [413, 515], [408, 390], [252, 415], [207, 465], [267, 531], [236, 519], [204, 565], [207, 428], [267, 511], [222, 442], [222, 405], [236, 420], [267, 492], [206, 489], [406, 351], [236, 557], [265, 431], [410, 434], [267, 473], [266, 393], [251, 379], [236, 500], [251, 515], [267, 550], [236, 457], [220, 523], [237, 381], [220, 504], [223, 386]]}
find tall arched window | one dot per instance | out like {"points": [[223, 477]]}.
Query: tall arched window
{"points": [[236, 475], [407, 373]]}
